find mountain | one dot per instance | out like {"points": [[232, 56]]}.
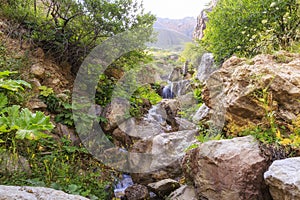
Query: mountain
{"points": [[173, 33]]}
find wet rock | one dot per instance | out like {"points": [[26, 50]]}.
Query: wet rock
{"points": [[12, 163], [228, 169], [283, 179], [185, 124], [38, 70], [137, 192], [115, 113], [180, 88], [35, 193], [164, 187], [122, 139], [183, 193], [56, 81]]}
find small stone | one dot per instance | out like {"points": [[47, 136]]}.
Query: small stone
{"points": [[183, 193], [137, 192], [38, 71], [164, 187]]}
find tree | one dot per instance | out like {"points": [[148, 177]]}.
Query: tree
{"points": [[250, 27], [70, 29]]}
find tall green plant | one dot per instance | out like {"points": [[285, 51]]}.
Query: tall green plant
{"points": [[247, 28]]}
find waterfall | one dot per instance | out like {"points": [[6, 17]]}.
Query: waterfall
{"points": [[176, 89], [121, 186]]}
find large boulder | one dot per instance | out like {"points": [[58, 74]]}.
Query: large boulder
{"points": [[161, 156], [228, 169], [34, 193], [240, 86], [283, 179]]}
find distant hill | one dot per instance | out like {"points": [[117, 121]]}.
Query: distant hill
{"points": [[173, 33]]}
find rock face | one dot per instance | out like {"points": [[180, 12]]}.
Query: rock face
{"points": [[283, 179], [202, 19], [164, 187], [137, 192], [242, 84], [206, 67], [34, 193], [183, 193], [228, 169]]}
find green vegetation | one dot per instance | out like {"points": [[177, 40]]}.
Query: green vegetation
{"points": [[193, 51], [247, 28], [53, 163], [142, 99], [69, 29]]}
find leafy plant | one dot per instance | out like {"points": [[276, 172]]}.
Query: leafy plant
{"points": [[22, 122], [12, 85], [247, 28]]}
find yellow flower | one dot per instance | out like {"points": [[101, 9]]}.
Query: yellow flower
{"points": [[278, 135], [286, 141]]}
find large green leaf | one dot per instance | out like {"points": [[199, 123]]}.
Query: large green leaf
{"points": [[28, 125], [3, 101]]}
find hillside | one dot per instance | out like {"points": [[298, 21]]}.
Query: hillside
{"points": [[173, 33]]}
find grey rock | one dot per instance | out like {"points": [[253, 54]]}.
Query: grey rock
{"points": [[35, 193], [164, 187], [206, 67], [12, 163], [283, 179], [185, 192], [228, 169]]}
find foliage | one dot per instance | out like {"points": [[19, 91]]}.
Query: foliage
{"points": [[247, 28], [25, 124], [21, 122], [70, 29], [192, 52], [53, 163], [59, 165], [104, 90], [140, 97]]}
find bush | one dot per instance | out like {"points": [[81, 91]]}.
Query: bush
{"points": [[70, 29], [247, 28]]}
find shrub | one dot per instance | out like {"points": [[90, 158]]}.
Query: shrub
{"points": [[247, 28]]}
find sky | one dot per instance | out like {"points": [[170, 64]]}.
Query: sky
{"points": [[175, 9]]}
